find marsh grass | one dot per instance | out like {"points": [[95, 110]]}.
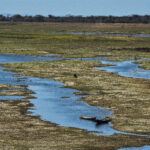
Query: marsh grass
{"points": [[75, 27], [10, 87], [15, 90], [18, 39], [145, 64], [73, 46]]}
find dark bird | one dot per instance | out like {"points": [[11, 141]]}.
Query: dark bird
{"points": [[75, 76]]}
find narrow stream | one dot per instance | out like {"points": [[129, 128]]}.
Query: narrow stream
{"points": [[60, 105], [103, 34], [136, 148], [123, 68]]}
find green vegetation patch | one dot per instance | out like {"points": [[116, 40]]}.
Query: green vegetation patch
{"points": [[117, 48], [145, 64], [75, 27], [34, 39]]}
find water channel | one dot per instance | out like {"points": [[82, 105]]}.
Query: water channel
{"points": [[60, 105], [104, 34], [127, 68]]}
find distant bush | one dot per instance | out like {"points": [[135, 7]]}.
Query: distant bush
{"points": [[77, 19]]}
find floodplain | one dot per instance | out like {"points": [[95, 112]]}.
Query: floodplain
{"points": [[128, 98]]}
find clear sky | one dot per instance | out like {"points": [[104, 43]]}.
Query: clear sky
{"points": [[75, 7]]}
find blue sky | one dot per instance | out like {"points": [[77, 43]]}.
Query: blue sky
{"points": [[75, 7]]}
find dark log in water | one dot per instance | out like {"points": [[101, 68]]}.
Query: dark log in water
{"points": [[98, 121], [88, 118]]}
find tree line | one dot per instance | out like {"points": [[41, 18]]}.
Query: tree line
{"points": [[77, 19]]}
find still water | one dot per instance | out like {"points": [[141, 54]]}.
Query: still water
{"points": [[124, 68]]}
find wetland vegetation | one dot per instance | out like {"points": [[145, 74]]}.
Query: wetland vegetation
{"points": [[145, 64], [35, 39], [128, 98]]}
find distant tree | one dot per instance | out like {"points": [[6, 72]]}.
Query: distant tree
{"points": [[71, 18], [51, 18], [17, 17], [2, 18], [28, 18], [39, 18]]}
